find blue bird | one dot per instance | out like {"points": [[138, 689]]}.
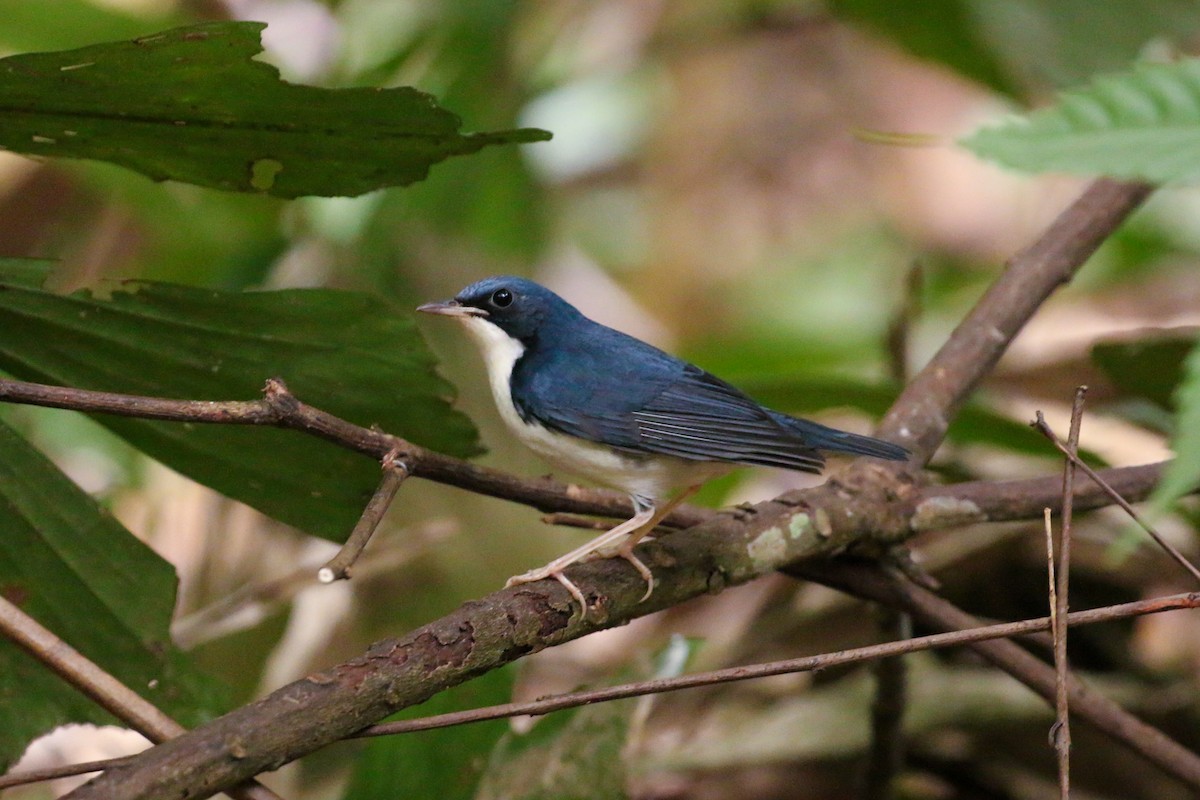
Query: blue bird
{"points": [[622, 413]]}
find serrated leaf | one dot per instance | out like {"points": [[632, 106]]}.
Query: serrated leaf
{"points": [[76, 570], [1143, 124], [1183, 474], [1149, 367], [191, 104], [350, 354]]}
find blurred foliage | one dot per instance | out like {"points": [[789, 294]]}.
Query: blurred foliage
{"points": [[1183, 476], [77, 571], [451, 759], [705, 190], [1149, 366], [1022, 46]]}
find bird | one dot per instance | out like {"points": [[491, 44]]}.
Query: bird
{"points": [[610, 408]]}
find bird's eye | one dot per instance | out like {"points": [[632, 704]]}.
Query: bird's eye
{"points": [[502, 298]]}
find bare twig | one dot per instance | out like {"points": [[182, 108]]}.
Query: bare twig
{"points": [[250, 604], [856, 655], [576, 521], [885, 758], [394, 473], [280, 409], [899, 330], [1118, 497], [1061, 733], [99, 686], [27, 776], [872, 582], [1062, 740]]}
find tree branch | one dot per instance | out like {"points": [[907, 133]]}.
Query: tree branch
{"points": [[920, 416], [279, 408]]}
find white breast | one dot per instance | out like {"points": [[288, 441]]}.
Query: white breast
{"points": [[650, 478]]}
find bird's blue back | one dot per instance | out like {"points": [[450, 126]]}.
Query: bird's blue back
{"points": [[588, 380]]}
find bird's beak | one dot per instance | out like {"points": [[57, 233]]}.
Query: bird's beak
{"points": [[452, 308]]}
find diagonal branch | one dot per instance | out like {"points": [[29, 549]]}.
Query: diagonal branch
{"points": [[920, 416], [279, 408]]}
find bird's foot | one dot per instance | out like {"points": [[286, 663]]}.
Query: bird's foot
{"points": [[625, 551], [627, 554], [550, 571]]}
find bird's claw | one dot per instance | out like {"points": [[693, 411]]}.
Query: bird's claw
{"points": [[543, 573], [643, 570], [550, 571]]}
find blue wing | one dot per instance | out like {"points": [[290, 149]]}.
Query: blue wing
{"points": [[651, 403]]}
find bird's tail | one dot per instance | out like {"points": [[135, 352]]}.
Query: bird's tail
{"points": [[825, 438]]}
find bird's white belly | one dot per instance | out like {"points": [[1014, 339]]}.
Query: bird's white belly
{"points": [[652, 478]]}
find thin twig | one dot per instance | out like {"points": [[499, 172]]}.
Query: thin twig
{"points": [[394, 472], [885, 758], [279, 408], [576, 521], [873, 583], [27, 776], [252, 603], [1040, 425], [899, 330], [856, 655], [99, 686], [1060, 734]]}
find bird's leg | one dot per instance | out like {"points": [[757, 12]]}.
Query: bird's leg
{"points": [[555, 568], [625, 550], [628, 534]]}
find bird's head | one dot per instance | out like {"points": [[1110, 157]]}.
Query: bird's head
{"points": [[518, 307]]}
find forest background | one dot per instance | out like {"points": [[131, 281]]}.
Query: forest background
{"points": [[778, 191]]}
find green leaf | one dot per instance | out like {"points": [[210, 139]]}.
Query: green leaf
{"points": [[577, 757], [69, 23], [347, 353], [445, 762], [192, 105], [1143, 124], [76, 570], [1183, 474], [1150, 367]]}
